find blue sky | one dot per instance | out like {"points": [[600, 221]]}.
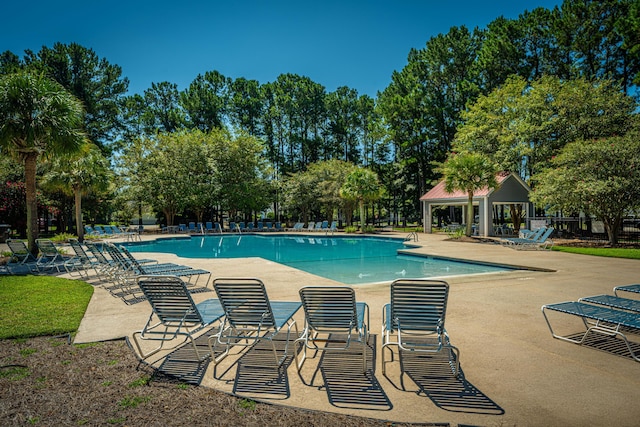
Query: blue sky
{"points": [[335, 43]]}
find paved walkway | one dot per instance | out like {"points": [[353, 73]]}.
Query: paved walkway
{"points": [[515, 372]]}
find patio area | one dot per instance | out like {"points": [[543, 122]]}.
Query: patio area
{"points": [[515, 373]]}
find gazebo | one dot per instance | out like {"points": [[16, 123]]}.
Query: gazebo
{"points": [[511, 189]]}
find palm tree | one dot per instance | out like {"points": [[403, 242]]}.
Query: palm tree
{"points": [[362, 185], [38, 117], [468, 172], [80, 173]]}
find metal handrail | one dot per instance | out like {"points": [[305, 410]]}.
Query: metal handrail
{"points": [[411, 236]]}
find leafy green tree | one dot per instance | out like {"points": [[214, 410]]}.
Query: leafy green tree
{"points": [[240, 173], [38, 117], [164, 113], [300, 195], [78, 174], [137, 120], [522, 125], [206, 101], [130, 173], [98, 84], [362, 186], [344, 126], [170, 171], [468, 172], [423, 104], [317, 190], [600, 177], [246, 105]]}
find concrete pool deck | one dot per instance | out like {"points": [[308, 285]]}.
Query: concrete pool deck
{"points": [[515, 372]]}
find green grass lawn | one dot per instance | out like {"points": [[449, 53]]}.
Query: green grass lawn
{"points": [[608, 252], [41, 305]]}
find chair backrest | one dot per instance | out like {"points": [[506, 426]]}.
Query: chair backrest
{"points": [[543, 238], [78, 249], [128, 258], [169, 299], [117, 256], [20, 250], [105, 230], [329, 308], [245, 302], [535, 235], [47, 247], [418, 304], [97, 253]]}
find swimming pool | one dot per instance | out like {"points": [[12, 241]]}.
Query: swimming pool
{"points": [[347, 259]]}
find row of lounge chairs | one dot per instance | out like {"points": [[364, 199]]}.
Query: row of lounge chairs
{"points": [[216, 228], [108, 231], [606, 315], [413, 320], [48, 259], [114, 265], [537, 239], [321, 226]]}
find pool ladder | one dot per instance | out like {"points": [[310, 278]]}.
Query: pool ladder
{"points": [[411, 236]]}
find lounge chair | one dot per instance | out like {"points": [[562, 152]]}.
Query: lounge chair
{"points": [[49, 256], [296, 227], [102, 232], [538, 241], [250, 317], [91, 231], [260, 226], [118, 232], [278, 227], [311, 226], [524, 237], [542, 243], [81, 261], [133, 266], [333, 228], [20, 254], [334, 319], [414, 320], [322, 226], [106, 266], [614, 302], [173, 315], [627, 288], [242, 227], [233, 227], [597, 319]]}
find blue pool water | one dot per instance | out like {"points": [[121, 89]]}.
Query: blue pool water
{"points": [[346, 259]]}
